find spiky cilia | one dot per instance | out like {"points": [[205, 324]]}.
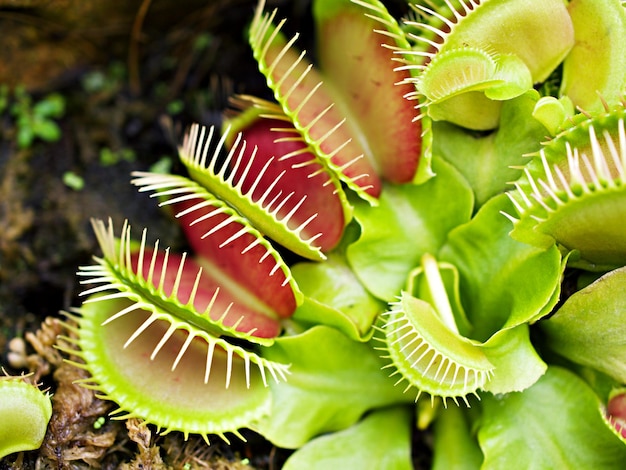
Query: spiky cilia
{"points": [[573, 192], [154, 313]]}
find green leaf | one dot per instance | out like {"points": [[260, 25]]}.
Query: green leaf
{"points": [[333, 381], [504, 283], [486, 161], [52, 106], [557, 423], [455, 446], [25, 135], [335, 297], [361, 446], [599, 29], [408, 222], [46, 130], [553, 113], [590, 327], [517, 364]]}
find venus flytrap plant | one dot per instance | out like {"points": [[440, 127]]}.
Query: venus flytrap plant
{"points": [[447, 351], [412, 270]]}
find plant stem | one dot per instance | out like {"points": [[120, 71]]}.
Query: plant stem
{"points": [[438, 292]]}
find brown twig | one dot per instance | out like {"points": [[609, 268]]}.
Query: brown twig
{"points": [[133, 48]]}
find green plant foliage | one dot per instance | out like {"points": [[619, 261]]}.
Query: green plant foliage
{"points": [[589, 326], [333, 381], [408, 222], [456, 445], [574, 185], [494, 291], [335, 297], [377, 264], [502, 152], [352, 447], [557, 423], [599, 28], [33, 119]]}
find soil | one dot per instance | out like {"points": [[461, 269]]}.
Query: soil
{"points": [[133, 75]]}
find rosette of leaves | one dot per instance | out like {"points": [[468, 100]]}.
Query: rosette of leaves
{"points": [[461, 323], [396, 225], [198, 323]]}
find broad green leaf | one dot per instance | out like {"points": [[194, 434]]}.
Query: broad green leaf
{"points": [[504, 283], [46, 130], [333, 381], [555, 424], [517, 364], [335, 297], [408, 222], [361, 446], [590, 327], [486, 161]]}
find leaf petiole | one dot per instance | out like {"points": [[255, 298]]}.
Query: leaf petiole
{"points": [[438, 293]]}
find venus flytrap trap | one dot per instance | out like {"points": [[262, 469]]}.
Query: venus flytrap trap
{"points": [[476, 54], [599, 27], [574, 187], [322, 104], [616, 412], [157, 311], [24, 415], [417, 290]]}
